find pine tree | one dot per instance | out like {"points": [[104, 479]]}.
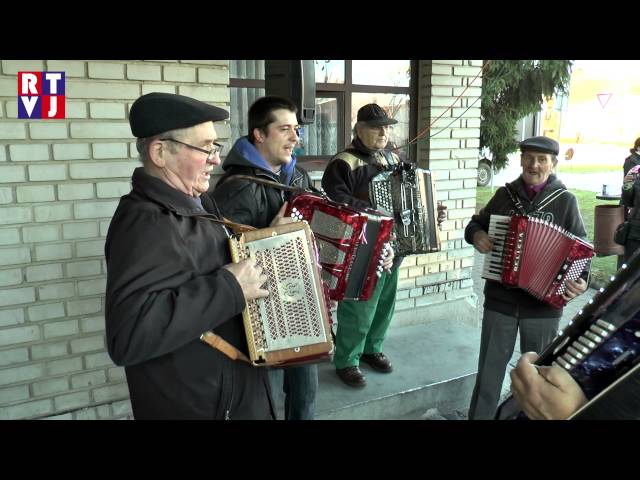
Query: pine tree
{"points": [[511, 90]]}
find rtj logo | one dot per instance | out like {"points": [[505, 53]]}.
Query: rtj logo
{"points": [[41, 95]]}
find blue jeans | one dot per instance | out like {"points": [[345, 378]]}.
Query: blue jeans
{"points": [[300, 386]]}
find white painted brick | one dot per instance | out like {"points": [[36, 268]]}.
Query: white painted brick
{"points": [[446, 80], [444, 143], [441, 70], [143, 72], [99, 90], [53, 251], [206, 94], [6, 195], [102, 170], [464, 113], [463, 173], [85, 414], [45, 312], [12, 67], [49, 350], [104, 228], [116, 374], [26, 410], [213, 75], [223, 63], [473, 122], [47, 172], [76, 110], [47, 387], [456, 194], [12, 130], [473, 142], [52, 213], [466, 133], [69, 67], [12, 109], [150, 88], [113, 71], [72, 400], [11, 317], [46, 131], [96, 286], [40, 273], [113, 189], [100, 130], [3, 154], [443, 165], [12, 174], [106, 110], [110, 150], [44, 233], [95, 209], [56, 291], [96, 360], [79, 230], [111, 393], [442, 92], [466, 71], [90, 249], [14, 394], [450, 185], [179, 74], [83, 307], [9, 236], [447, 62], [8, 87], [88, 379], [10, 277], [71, 151], [88, 344], [60, 329], [11, 357], [58, 367], [12, 336], [92, 324], [28, 153], [43, 193], [75, 191], [14, 256]]}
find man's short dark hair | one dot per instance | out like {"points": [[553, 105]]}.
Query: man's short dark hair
{"points": [[261, 113]]}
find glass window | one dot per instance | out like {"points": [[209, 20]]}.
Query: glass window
{"points": [[320, 137], [396, 106], [247, 69], [393, 73], [241, 100], [329, 71]]}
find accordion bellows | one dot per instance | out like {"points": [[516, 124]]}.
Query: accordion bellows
{"points": [[291, 325]]}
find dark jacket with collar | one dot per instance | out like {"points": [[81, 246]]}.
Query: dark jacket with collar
{"points": [[630, 162], [562, 211], [243, 201], [165, 287]]}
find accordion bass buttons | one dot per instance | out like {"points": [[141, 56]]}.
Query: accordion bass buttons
{"points": [[606, 325]]}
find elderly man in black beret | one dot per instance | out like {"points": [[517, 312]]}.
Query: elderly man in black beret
{"points": [[170, 276], [535, 193]]}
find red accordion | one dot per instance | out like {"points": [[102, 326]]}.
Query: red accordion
{"points": [[534, 255], [351, 244]]}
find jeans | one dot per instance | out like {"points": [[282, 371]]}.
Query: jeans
{"points": [[299, 386]]}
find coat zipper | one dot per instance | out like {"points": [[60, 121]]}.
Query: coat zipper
{"points": [[227, 413]]}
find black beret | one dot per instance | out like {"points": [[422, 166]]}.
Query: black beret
{"points": [[157, 112], [540, 144]]}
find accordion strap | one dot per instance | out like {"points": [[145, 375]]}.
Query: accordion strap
{"points": [[219, 343], [271, 183], [543, 203]]}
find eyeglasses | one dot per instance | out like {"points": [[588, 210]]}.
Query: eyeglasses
{"points": [[217, 148]]}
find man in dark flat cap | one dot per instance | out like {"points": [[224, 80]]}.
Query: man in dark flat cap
{"points": [[170, 277], [539, 194]]}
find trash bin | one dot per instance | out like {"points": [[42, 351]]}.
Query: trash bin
{"points": [[606, 220]]}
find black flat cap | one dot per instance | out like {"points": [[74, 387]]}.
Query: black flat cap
{"points": [[374, 116], [157, 112], [540, 144]]}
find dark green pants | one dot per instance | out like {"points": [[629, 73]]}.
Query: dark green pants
{"points": [[362, 326]]}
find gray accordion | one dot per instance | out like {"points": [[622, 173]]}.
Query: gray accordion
{"points": [[408, 195]]}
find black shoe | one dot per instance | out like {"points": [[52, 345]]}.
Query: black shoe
{"points": [[352, 376], [378, 361]]}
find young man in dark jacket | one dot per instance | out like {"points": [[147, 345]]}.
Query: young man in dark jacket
{"points": [[507, 310], [267, 153], [170, 276]]}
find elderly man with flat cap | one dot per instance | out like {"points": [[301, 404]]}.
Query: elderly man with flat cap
{"points": [[536, 193], [170, 277]]}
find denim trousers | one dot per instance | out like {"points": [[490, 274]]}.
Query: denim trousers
{"points": [[300, 386]]}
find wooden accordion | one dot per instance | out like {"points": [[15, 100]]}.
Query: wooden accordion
{"points": [[351, 244], [291, 325], [600, 348], [534, 255], [408, 195]]}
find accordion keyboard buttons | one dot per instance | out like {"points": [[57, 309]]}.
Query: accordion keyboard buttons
{"points": [[588, 343], [606, 325], [575, 353], [593, 336]]}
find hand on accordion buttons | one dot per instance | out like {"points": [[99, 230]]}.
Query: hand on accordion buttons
{"points": [[387, 258], [545, 393], [574, 288], [482, 241], [250, 277]]}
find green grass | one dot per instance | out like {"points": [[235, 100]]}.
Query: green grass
{"points": [[602, 267], [568, 167]]}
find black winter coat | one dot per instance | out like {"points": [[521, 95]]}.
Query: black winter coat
{"points": [[165, 288]]}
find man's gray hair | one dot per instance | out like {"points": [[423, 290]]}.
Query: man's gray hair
{"points": [[142, 144]]}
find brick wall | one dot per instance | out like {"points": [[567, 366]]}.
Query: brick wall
{"points": [[60, 181]]}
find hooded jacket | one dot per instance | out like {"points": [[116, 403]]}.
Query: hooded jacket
{"points": [[243, 201], [562, 211], [165, 287]]}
